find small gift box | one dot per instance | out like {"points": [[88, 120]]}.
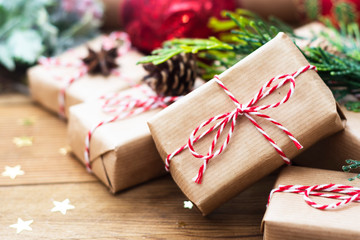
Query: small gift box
{"points": [[315, 34], [111, 137], [309, 34], [331, 153], [248, 109], [309, 203], [60, 82]]}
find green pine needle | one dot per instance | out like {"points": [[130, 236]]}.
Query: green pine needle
{"points": [[243, 32], [352, 164]]}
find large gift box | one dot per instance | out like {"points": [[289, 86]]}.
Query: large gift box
{"points": [[60, 82], [331, 153], [289, 216], [120, 152], [309, 115]]}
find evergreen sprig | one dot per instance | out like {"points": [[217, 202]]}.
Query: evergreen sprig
{"points": [[243, 32], [352, 164], [186, 45], [30, 29]]}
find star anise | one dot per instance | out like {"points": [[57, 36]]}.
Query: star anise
{"points": [[102, 61]]}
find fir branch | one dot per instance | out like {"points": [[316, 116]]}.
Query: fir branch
{"points": [[353, 106], [186, 45], [246, 33], [352, 164], [243, 32]]}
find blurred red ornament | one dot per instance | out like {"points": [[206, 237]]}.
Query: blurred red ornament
{"points": [[151, 22]]}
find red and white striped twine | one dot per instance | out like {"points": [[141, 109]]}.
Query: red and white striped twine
{"points": [[241, 109], [82, 69], [124, 107], [352, 194]]}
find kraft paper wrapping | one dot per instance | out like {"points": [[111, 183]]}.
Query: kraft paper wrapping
{"points": [[122, 153], [310, 115], [332, 152], [289, 217], [46, 82], [310, 34]]}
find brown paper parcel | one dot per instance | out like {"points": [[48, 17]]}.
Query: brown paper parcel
{"points": [[45, 82], [311, 35], [331, 153], [122, 153], [288, 216], [311, 114]]}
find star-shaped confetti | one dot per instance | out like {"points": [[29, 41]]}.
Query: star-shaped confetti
{"points": [[28, 121], [23, 141], [12, 172], [22, 225], [64, 150], [62, 206], [188, 204]]}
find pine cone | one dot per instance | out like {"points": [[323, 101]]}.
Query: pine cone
{"points": [[174, 77]]}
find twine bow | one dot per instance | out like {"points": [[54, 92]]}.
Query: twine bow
{"points": [[82, 70], [230, 117], [353, 194], [124, 107]]}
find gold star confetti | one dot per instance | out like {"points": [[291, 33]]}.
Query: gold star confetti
{"points": [[12, 172], [28, 121], [22, 225], [64, 150], [23, 141], [188, 204]]}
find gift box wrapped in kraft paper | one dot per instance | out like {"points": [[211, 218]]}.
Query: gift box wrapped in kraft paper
{"points": [[331, 153], [313, 35], [255, 136], [111, 137], [60, 82], [309, 203]]}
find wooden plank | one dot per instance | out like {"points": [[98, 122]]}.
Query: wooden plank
{"points": [[11, 98], [42, 162], [150, 211]]}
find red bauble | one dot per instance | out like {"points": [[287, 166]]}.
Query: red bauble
{"points": [[151, 22]]}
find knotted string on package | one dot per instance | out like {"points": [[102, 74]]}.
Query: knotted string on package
{"points": [[351, 194], [124, 106], [108, 43], [230, 117]]}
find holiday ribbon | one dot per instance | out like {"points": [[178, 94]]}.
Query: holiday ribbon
{"points": [[124, 107], [82, 69], [246, 110], [353, 194]]}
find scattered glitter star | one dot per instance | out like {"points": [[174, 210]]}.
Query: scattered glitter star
{"points": [[22, 225], [28, 121], [188, 204], [12, 172], [64, 150], [23, 141], [62, 206]]}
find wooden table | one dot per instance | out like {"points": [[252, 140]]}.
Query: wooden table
{"points": [[154, 210]]}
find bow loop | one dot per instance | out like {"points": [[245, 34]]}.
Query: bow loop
{"points": [[220, 121]]}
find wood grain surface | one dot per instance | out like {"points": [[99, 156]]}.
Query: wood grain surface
{"points": [[153, 210]]}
